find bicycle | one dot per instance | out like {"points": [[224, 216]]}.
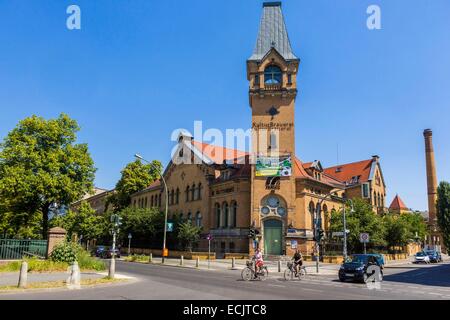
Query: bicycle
{"points": [[290, 272], [248, 272]]}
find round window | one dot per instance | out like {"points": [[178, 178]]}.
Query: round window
{"points": [[281, 211], [265, 210], [273, 201]]}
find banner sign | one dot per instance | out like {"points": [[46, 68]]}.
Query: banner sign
{"points": [[274, 166]]}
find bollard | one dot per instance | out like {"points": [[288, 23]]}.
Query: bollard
{"points": [[23, 276], [233, 263], [181, 260], [197, 263], [279, 265], [112, 268], [150, 258], [73, 281]]}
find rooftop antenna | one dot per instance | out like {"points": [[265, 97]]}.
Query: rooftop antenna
{"points": [[337, 153]]}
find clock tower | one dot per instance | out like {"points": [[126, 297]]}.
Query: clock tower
{"points": [[272, 73]]}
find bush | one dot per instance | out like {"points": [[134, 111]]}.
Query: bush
{"points": [[86, 262], [138, 258], [65, 252]]}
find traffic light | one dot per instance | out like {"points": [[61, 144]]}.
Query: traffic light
{"points": [[252, 234], [319, 235]]}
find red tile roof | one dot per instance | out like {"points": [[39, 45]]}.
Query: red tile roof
{"points": [[218, 154], [346, 172], [398, 204]]}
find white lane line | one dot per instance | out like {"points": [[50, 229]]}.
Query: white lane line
{"points": [[308, 289]]}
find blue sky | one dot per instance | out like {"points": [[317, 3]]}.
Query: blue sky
{"points": [[139, 69]]}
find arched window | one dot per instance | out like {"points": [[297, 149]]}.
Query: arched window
{"points": [[225, 215], [382, 201], [199, 193], [187, 193], [233, 218], [198, 219], [172, 197], [146, 202], [312, 209], [375, 198], [189, 217], [159, 200], [151, 201], [272, 75], [326, 216], [217, 212], [379, 200], [193, 192], [177, 196]]}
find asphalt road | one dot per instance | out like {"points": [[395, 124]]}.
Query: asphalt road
{"points": [[173, 283]]}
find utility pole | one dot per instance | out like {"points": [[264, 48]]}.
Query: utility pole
{"points": [[166, 203]]}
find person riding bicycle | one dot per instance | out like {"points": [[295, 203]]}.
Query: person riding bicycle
{"points": [[258, 258], [298, 260]]}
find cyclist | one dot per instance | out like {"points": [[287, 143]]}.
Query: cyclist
{"points": [[298, 261], [258, 258]]}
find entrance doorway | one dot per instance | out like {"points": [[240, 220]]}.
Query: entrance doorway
{"points": [[273, 237]]}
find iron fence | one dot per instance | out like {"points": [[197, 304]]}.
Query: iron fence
{"points": [[11, 249]]}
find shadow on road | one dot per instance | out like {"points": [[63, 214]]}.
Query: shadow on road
{"points": [[432, 276]]}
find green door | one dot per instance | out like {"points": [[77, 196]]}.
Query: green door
{"points": [[272, 237]]}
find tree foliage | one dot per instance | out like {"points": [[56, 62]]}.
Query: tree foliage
{"points": [[41, 164], [361, 220], [188, 234], [134, 177], [443, 211], [83, 222]]}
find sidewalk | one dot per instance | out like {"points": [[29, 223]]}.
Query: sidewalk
{"points": [[12, 278]]}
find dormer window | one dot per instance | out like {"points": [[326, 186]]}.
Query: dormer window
{"points": [[272, 75]]}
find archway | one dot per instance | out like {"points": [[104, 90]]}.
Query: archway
{"points": [[273, 237]]}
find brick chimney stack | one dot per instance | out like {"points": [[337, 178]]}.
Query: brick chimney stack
{"points": [[431, 175]]}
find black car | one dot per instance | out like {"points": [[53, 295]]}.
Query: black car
{"points": [[107, 254], [356, 268], [99, 251], [434, 256]]}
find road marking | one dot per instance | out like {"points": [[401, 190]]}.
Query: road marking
{"points": [[308, 289]]}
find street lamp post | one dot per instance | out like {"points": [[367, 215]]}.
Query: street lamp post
{"points": [[129, 243], [166, 201], [345, 227]]}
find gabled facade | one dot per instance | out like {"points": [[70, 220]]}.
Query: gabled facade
{"points": [[227, 191]]}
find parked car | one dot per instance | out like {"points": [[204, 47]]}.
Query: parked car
{"points": [[107, 254], [421, 257], [434, 255], [98, 252], [356, 268]]}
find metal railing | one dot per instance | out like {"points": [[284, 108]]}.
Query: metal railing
{"points": [[11, 249]]}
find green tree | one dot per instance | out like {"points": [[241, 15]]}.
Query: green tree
{"points": [[417, 228], [135, 177], [188, 234], [82, 222], [145, 224], [397, 231], [41, 164], [443, 211], [361, 220]]}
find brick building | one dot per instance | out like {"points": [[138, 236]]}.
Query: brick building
{"points": [[223, 191]]}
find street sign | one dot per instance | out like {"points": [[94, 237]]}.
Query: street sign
{"points": [[169, 226], [364, 237], [129, 236], [209, 237], [338, 234], [294, 244]]}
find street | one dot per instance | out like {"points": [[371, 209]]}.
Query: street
{"points": [[405, 281]]}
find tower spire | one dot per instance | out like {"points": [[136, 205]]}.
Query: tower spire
{"points": [[272, 34]]}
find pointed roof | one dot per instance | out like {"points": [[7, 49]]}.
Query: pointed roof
{"points": [[398, 204], [272, 34]]}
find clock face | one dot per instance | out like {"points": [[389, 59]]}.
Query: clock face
{"points": [[265, 210], [273, 201], [281, 211]]}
